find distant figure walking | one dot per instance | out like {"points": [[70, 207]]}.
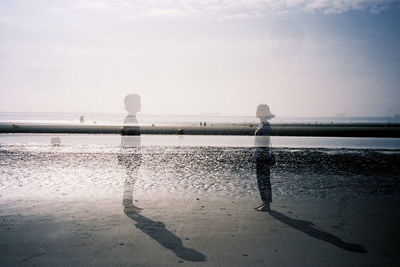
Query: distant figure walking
{"points": [[130, 150], [264, 157], [82, 119]]}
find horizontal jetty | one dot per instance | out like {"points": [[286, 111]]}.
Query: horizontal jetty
{"points": [[292, 129]]}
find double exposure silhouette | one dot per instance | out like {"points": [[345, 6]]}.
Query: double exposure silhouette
{"points": [[131, 158], [130, 155]]}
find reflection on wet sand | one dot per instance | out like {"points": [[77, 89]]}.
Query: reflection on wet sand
{"points": [[131, 160]]}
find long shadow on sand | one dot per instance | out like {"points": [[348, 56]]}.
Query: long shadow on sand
{"points": [[309, 229], [158, 232]]}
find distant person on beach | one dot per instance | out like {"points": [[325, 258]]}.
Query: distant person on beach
{"points": [[264, 157], [130, 155]]}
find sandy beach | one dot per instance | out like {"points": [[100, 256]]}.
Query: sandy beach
{"points": [[201, 230], [63, 207]]}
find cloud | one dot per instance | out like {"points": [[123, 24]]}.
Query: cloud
{"points": [[341, 6], [231, 9], [102, 5], [166, 12]]}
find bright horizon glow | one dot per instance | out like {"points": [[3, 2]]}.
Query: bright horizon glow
{"points": [[302, 58]]}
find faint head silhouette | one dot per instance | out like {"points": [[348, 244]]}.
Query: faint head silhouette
{"points": [[263, 112], [132, 104]]}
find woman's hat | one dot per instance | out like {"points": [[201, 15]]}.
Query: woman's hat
{"points": [[264, 112]]}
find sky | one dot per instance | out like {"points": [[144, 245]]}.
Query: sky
{"points": [[301, 57]]}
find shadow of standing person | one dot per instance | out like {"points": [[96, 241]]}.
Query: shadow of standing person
{"points": [[309, 229], [158, 232], [264, 156]]}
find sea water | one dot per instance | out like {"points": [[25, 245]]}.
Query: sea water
{"points": [[219, 141], [89, 166]]}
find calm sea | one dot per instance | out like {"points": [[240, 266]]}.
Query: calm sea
{"points": [[90, 166], [218, 141]]}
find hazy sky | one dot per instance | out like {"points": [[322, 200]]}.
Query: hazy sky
{"points": [[302, 57]]}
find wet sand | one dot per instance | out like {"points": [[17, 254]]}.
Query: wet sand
{"points": [[205, 230], [63, 207]]}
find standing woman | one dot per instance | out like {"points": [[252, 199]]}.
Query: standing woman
{"points": [[130, 155], [264, 157]]}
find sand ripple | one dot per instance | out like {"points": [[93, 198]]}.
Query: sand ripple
{"points": [[98, 171]]}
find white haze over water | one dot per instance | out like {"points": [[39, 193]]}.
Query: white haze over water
{"points": [[99, 142], [112, 143], [302, 57]]}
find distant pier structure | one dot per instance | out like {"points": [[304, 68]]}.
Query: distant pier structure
{"points": [[388, 129]]}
